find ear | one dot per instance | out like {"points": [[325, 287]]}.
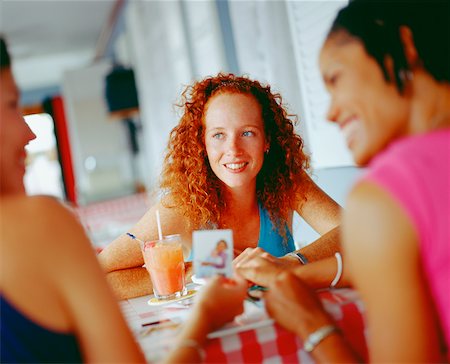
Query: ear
{"points": [[389, 65], [412, 57]]}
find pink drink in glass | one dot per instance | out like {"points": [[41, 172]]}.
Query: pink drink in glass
{"points": [[165, 264]]}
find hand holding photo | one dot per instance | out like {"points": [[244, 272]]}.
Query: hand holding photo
{"points": [[213, 253]]}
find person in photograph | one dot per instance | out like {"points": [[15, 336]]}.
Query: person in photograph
{"points": [[215, 262]]}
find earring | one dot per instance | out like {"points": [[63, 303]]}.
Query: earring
{"points": [[405, 75], [267, 151]]}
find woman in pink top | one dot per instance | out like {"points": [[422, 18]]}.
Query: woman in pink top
{"points": [[387, 68]]}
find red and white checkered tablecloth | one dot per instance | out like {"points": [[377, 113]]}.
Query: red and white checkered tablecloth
{"points": [[266, 344], [273, 344]]}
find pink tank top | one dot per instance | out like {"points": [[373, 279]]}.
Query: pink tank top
{"points": [[416, 172]]}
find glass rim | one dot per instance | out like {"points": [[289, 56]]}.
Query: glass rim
{"points": [[165, 238]]}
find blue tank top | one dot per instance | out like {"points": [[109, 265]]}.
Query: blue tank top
{"points": [[270, 238], [23, 341]]}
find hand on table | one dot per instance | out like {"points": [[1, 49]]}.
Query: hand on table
{"points": [[258, 266], [294, 305], [220, 300], [237, 252]]}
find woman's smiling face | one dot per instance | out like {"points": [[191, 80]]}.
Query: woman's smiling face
{"points": [[14, 136], [235, 139], [368, 109]]}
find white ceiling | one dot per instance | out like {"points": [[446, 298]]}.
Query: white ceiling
{"points": [[47, 37]]}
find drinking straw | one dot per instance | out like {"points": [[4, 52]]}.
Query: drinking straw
{"points": [[158, 223]]}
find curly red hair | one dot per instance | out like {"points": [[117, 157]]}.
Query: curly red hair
{"points": [[188, 178]]}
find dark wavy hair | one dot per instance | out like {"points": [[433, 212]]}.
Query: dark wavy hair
{"points": [[376, 24], [187, 177]]}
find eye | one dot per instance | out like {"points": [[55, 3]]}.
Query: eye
{"points": [[217, 136], [332, 80], [248, 133]]}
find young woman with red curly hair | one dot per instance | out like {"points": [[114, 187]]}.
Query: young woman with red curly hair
{"points": [[233, 161]]}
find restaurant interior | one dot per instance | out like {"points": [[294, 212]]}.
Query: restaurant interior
{"points": [[104, 156], [100, 86]]}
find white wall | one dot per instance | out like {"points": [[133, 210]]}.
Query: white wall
{"points": [[264, 50], [173, 43], [276, 42], [309, 22], [162, 66]]}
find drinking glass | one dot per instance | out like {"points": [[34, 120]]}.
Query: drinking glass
{"points": [[165, 264]]}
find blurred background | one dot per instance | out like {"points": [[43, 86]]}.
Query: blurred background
{"points": [[99, 80]]}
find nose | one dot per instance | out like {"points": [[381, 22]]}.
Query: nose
{"points": [[333, 111], [27, 133], [233, 145]]}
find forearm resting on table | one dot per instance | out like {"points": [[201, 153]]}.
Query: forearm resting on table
{"points": [[324, 247], [321, 273], [129, 283], [322, 266], [121, 254], [135, 282]]}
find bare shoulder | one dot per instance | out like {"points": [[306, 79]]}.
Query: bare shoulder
{"points": [[172, 219], [32, 211], [369, 204], [38, 220], [373, 220], [40, 233], [38, 206]]}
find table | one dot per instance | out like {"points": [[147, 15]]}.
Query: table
{"points": [[268, 343]]}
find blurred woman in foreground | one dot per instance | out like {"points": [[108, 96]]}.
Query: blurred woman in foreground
{"points": [[55, 303], [387, 68]]}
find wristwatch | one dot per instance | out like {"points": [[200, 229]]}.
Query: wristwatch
{"points": [[299, 256], [317, 336]]}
